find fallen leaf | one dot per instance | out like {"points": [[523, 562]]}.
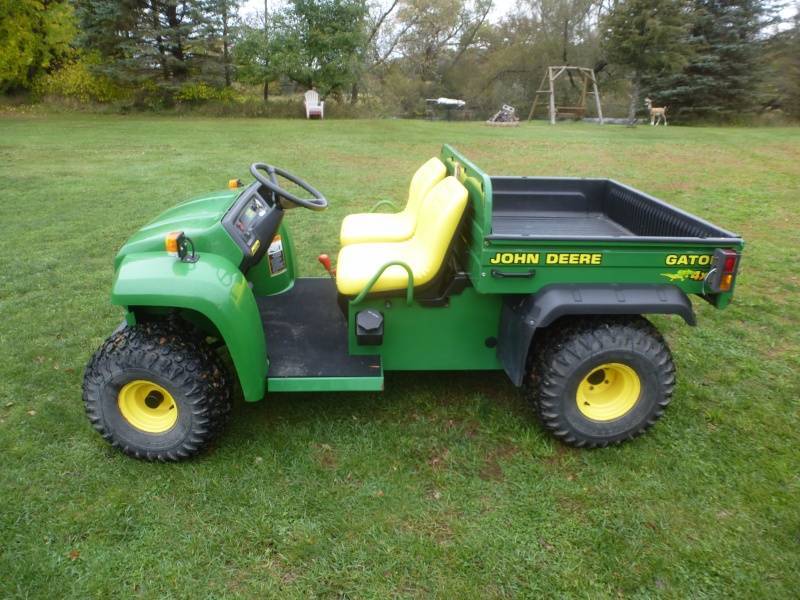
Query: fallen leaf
{"points": [[9, 404], [379, 493], [74, 554], [32, 412]]}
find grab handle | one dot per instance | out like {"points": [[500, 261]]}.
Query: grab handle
{"points": [[529, 274], [374, 278]]}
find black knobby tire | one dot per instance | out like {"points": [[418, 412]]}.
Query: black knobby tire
{"points": [[169, 355], [570, 352]]}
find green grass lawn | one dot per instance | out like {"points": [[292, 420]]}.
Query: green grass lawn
{"points": [[442, 486]]}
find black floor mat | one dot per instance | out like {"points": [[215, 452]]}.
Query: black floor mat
{"points": [[307, 334]]}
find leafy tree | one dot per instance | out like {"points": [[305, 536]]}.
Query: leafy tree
{"points": [[317, 43], [647, 37], [782, 57], [723, 77], [35, 37], [218, 22], [138, 39], [436, 26], [252, 54]]}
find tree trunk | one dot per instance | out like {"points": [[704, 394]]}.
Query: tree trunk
{"points": [[354, 93], [226, 45], [266, 46], [162, 52], [634, 101], [179, 70]]}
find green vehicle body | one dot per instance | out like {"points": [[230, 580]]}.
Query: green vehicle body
{"points": [[463, 332]]}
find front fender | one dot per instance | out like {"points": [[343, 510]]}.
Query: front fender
{"points": [[212, 286]]}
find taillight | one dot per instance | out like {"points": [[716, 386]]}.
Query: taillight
{"points": [[730, 262], [723, 270]]}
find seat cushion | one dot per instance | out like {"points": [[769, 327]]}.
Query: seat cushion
{"points": [[376, 227], [363, 228], [424, 252]]}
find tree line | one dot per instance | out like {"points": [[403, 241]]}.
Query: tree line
{"points": [[708, 60]]}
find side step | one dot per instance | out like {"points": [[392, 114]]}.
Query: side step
{"points": [[325, 384]]}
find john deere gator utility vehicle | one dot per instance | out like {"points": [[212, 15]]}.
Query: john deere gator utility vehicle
{"points": [[546, 279]]}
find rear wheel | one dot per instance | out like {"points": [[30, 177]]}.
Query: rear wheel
{"points": [[600, 381], [157, 392]]}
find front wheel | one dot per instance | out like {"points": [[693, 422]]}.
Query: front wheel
{"points": [[600, 381], [157, 391]]}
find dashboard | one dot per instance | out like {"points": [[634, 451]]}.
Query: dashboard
{"points": [[252, 211], [253, 222]]}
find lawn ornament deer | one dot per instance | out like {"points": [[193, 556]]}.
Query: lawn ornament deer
{"points": [[656, 114]]}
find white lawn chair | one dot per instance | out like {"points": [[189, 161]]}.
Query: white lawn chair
{"points": [[313, 105]]}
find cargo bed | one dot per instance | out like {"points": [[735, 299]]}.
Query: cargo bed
{"points": [[589, 209]]}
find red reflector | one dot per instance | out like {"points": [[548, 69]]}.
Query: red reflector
{"points": [[730, 264]]}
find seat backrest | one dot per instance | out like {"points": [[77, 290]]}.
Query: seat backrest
{"points": [[438, 220], [312, 98], [427, 176]]}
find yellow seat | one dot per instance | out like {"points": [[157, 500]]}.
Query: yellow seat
{"points": [[439, 216], [394, 227]]}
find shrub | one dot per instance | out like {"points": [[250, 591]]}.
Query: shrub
{"points": [[200, 93], [76, 81]]}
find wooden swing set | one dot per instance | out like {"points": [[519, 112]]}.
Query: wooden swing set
{"points": [[574, 112]]}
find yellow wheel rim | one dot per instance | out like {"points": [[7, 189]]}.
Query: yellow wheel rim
{"points": [[608, 392], [147, 406]]}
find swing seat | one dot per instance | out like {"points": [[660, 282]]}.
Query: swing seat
{"points": [[575, 112]]}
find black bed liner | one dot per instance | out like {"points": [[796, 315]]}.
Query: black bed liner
{"points": [[590, 209], [306, 333]]}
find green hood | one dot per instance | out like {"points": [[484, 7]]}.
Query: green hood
{"points": [[200, 219]]}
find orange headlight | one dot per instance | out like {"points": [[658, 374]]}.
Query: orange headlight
{"points": [[172, 242]]}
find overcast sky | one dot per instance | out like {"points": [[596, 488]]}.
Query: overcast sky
{"points": [[500, 8]]}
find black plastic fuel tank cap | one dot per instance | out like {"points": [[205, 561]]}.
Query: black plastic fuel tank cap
{"points": [[369, 327]]}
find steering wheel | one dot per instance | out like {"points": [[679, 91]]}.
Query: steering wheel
{"points": [[318, 202]]}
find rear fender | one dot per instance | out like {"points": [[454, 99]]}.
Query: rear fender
{"points": [[213, 287], [521, 316]]}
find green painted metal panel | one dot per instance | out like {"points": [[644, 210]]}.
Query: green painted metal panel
{"points": [[477, 182], [325, 384], [215, 288], [479, 186], [419, 338], [200, 219], [683, 265]]}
